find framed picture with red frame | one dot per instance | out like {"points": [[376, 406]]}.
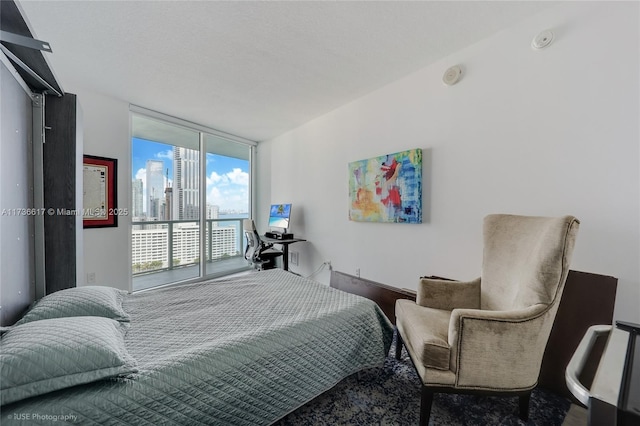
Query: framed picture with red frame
{"points": [[99, 192]]}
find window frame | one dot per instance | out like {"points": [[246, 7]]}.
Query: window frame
{"points": [[203, 132]]}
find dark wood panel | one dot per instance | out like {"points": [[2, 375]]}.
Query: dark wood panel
{"points": [[588, 299], [385, 296], [59, 169]]}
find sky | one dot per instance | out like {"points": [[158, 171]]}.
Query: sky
{"points": [[227, 178]]}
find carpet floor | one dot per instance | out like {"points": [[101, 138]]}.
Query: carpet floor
{"points": [[390, 395]]}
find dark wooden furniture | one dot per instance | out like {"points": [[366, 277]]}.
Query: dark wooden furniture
{"points": [[62, 176], [385, 296]]}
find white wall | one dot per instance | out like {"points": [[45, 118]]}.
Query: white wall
{"points": [[548, 132], [106, 134]]}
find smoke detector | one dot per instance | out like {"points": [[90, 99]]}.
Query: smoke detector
{"points": [[452, 75], [542, 40]]}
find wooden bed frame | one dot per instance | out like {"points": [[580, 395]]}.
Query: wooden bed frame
{"points": [[385, 296]]}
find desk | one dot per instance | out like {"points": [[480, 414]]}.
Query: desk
{"points": [[285, 248]]}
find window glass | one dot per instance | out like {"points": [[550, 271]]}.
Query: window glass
{"points": [[167, 208]]}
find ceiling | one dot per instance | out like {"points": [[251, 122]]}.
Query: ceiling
{"points": [[255, 69]]}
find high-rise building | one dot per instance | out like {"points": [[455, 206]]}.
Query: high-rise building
{"points": [[186, 165], [213, 211], [151, 244], [168, 203], [137, 210], [155, 189]]}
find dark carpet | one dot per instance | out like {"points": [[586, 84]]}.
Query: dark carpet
{"points": [[390, 395]]}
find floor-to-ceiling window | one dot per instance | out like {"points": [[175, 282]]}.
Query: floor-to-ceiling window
{"points": [[190, 192]]}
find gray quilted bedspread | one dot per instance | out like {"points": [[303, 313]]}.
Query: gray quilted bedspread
{"points": [[241, 351]]}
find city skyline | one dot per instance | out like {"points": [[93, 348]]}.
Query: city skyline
{"points": [[227, 178]]}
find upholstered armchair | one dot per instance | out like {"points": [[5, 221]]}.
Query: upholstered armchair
{"points": [[489, 335]]}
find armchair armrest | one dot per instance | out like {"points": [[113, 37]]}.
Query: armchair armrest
{"points": [[511, 316], [499, 349], [447, 294]]}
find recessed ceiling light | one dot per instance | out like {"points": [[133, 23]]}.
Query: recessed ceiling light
{"points": [[542, 40], [452, 75]]}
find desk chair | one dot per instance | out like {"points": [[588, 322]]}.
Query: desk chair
{"points": [[259, 253]]}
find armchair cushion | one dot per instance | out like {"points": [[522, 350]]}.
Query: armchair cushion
{"points": [[425, 330], [448, 294]]}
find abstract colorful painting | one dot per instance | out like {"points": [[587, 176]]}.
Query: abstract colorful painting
{"points": [[387, 188]]}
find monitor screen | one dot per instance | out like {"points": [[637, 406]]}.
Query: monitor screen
{"points": [[279, 215]]}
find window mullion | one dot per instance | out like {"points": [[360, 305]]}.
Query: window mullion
{"points": [[202, 175]]}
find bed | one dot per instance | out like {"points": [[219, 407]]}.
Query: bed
{"points": [[240, 351]]}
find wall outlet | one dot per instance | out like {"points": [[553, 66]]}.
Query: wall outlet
{"points": [[358, 272], [293, 258], [91, 277]]}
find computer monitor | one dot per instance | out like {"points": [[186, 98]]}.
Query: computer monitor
{"points": [[279, 215]]}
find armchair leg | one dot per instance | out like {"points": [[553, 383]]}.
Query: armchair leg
{"points": [[524, 406], [398, 345], [426, 400]]}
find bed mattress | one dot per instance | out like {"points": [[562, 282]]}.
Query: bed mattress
{"points": [[240, 351]]}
